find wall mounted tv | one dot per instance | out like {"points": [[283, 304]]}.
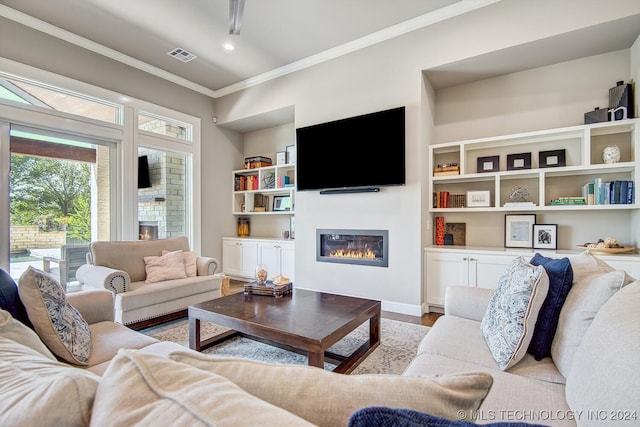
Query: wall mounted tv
{"points": [[354, 154], [144, 177]]}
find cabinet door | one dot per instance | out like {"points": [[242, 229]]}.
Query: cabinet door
{"points": [[485, 270], [249, 258], [288, 260], [443, 270], [269, 254], [231, 258]]}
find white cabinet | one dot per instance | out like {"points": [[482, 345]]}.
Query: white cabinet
{"points": [[268, 190], [279, 258], [461, 268], [483, 267], [240, 256]]}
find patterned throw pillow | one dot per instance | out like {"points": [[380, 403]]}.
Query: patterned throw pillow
{"points": [[509, 321], [58, 324]]}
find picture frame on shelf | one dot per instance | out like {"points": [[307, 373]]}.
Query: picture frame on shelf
{"points": [[545, 236], [477, 199], [552, 159], [291, 154], [281, 158], [518, 230], [518, 161], [281, 203], [488, 164]]}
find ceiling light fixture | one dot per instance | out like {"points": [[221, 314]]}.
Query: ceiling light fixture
{"points": [[236, 7]]}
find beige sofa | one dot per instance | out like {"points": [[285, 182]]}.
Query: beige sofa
{"points": [[598, 351], [119, 266]]}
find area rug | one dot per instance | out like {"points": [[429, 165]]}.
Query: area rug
{"points": [[398, 345]]}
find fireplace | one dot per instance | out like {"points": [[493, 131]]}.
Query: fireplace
{"points": [[360, 247], [148, 230]]}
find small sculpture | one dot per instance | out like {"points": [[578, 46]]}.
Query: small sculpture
{"points": [[611, 154], [519, 194]]}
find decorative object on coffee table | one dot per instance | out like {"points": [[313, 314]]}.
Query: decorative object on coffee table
{"points": [[269, 289], [261, 274]]}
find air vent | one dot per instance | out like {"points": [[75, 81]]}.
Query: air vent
{"points": [[182, 55]]}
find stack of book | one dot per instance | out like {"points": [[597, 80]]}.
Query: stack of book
{"points": [[443, 199], [445, 169], [244, 183], [568, 200], [257, 162], [617, 192]]}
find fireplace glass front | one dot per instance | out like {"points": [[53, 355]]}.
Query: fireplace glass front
{"points": [[361, 247]]}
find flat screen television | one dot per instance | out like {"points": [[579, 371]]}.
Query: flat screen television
{"points": [[144, 177], [358, 153]]}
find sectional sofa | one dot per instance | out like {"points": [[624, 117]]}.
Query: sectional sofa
{"points": [[590, 376]]}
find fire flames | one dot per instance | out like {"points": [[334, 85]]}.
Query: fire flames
{"points": [[353, 253]]}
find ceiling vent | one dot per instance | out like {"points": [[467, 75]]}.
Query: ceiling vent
{"points": [[182, 55]]}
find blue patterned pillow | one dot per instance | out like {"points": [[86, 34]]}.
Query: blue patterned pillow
{"points": [[10, 300], [509, 321], [560, 280], [388, 417], [58, 324]]}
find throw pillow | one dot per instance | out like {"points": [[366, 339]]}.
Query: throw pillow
{"points": [[37, 391], [508, 323], [189, 258], [145, 389], [166, 267], [327, 398], [604, 373], [58, 324], [12, 329], [10, 300], [560, 280], [585, 298], [392, 417]]}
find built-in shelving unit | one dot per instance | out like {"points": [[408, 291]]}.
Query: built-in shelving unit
{"points": [[582, 147], [268, 190]]}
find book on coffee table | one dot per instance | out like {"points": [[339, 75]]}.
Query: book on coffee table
{"points": [[269, 288]]}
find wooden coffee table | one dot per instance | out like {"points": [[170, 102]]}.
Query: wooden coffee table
{"points": [[305, 322]]}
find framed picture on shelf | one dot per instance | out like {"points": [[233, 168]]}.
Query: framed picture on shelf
{"points": [[545, 236], [477, 199], [291, 153], [488, 164], [281, 203], [518, 161], [552, 159], [281, 158], [518, 230]]}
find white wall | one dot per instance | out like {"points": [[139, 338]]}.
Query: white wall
{"points": [[388, 75]]}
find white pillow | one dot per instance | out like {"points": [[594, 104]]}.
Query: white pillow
{"points": [[17, 331], [189, 258], [511, 315], [328, 399], [583, 302], [166, 267], [58, 324], [38, 391], [145, 390]]}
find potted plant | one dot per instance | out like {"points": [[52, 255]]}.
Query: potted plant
{"points": [[63, 222]]}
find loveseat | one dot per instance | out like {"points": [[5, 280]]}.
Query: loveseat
{"points": [[151, 279], [588, 372]]}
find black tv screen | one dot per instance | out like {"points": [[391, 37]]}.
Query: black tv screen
{"points": [[357, 152], [144, 177]]}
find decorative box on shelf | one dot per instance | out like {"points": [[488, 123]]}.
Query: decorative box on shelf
{"points": [[269, 289]]}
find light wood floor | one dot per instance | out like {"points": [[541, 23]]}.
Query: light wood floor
{"points": [[426, 320]]}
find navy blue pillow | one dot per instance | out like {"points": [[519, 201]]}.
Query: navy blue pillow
{"points": [[10, 300], [560, 280], [376, 416]]}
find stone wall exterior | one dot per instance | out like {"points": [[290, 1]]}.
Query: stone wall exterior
{"points": [[25, 237]]}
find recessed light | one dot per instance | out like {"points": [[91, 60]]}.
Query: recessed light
{"points": [[228, 46]]}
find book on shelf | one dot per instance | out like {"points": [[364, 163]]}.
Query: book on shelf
{"points": [[444, 199], [446, 173], [445, 169], [569, 200], [617, 192]]}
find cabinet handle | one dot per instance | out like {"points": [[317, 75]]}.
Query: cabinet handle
{"points": [[473, 259], [465, 259]]}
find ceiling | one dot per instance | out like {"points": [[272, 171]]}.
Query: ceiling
{"points": [[280, 36]]}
